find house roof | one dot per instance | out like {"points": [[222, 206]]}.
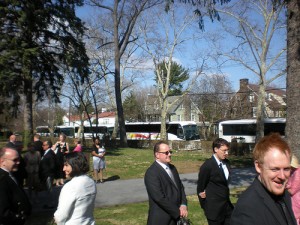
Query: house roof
{"points": [[273, 90], [277, 99], [74, 118]]}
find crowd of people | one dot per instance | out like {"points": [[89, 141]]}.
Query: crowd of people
{"points": [[43, 166], [272, 199]]}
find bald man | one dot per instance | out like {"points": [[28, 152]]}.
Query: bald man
{"points": [[15, 206]]}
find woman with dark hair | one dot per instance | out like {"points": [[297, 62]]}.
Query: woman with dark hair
{"points": [[99, 164], [77, 197]]}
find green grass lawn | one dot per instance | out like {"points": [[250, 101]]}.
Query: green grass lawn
{"points": [[128, 163]]}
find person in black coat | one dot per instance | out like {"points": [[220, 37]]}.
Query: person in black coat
{"points": [[266, 201], [48, 170], [38, 144], [212, 186], [14, 204], [167, 199]]}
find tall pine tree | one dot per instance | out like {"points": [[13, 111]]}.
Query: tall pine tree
{"points": [[39, 41]]}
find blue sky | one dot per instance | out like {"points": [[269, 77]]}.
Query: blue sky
{"points": [[233, 70]]}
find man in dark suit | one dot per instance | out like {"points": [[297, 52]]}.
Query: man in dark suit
{"points": [[47, 171], [167, 199], [212, 187], [14, 204], [20, 174], [12, 142], [38, 144], [266, 201]]}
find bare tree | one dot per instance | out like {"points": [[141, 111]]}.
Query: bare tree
{"points": [[101, 54], [124, 14], [259, 23], [212, 94], [162, 36]]}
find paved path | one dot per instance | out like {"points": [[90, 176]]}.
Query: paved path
{"points": [[130, 191], [118, 192]]}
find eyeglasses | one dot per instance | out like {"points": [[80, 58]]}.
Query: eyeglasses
{"points": [[14, 160], [167, 152], [224, 151]]}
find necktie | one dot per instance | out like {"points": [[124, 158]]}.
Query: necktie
{"points": [[221, 168], [170, 174], [285, 212]]}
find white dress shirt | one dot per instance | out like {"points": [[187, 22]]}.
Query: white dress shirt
{"points": [[225, 169], [76, 202]]}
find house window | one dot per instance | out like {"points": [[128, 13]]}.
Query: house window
{"points": [[254, 111], [193, 117], [178, 117], [251, 98], [268, 96], [181, 106], [105, 121]]}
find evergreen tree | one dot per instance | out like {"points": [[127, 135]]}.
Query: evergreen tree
{"points": [[40, 40], [178, 75]]}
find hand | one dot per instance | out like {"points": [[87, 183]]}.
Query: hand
{"points": [[183, 211], [202, 194]]}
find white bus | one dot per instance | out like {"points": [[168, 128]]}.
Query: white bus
{"points": [[72, 131], [181, 130], [245, 129]]}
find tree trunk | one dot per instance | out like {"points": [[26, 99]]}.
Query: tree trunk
{"points": [[123, 137], [116, 128], [28, 118], [293, 76], [163, 129], [260, 113]]}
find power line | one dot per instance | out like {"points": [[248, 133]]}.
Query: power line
{"points": [[230, 93]]}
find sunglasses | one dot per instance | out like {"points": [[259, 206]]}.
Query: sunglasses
{"points": [[167, 152]]}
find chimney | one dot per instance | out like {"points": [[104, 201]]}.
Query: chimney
{"points": [[244, 83]]}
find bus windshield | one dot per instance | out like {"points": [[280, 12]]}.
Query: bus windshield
{"points": [[191, 132]]}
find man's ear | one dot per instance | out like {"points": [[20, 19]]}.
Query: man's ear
{"points": [[215, 149], [257, 166]]}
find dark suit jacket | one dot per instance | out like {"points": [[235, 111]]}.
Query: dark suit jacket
{"points": [[13, 201], [165, 197], [212, 180], [48, 166], [38, 146], [255, 206], [11, 145]]}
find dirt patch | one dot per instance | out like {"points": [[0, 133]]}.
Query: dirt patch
{"points": [[190, 167]]}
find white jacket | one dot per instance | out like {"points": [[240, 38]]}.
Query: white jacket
{"points": [[76, 202]]}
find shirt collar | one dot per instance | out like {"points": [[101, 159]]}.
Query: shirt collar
{"points": [[47, 151], [163, 165], [218, 161], [4, 169]]}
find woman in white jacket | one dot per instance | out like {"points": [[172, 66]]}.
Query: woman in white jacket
{"points": [[77, 197]]}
